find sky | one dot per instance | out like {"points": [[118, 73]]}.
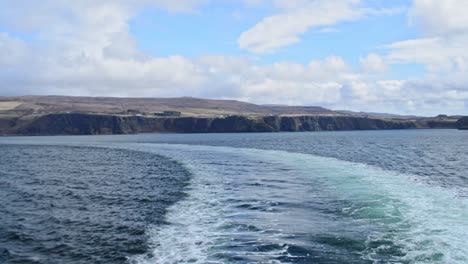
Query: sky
{"points": [[399, 56]]}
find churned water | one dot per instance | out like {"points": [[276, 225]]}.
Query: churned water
{"points": [[334, 197]]}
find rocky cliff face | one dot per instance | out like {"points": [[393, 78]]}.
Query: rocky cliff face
{"points": [[462, 124], [333, 123], [94, 124]]}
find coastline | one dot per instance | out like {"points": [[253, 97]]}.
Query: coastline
{"points": [[108, 124]]}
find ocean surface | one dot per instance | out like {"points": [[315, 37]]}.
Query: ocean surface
{"points": [[320, 197]]}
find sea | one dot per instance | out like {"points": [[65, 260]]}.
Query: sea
{"points": [[397, 196]]}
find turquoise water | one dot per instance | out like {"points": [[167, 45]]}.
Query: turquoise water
{"points": [[346, 197]]}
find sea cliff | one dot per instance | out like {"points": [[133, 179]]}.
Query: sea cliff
{"points": [[98, 124], [462, 124]]}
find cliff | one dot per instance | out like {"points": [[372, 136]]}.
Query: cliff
{"points": [[462, 124], [97, 124]]}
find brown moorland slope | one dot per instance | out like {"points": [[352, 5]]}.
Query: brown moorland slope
{"points": [[187, 105]]}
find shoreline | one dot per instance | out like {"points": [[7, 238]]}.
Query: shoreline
{"points": [[107, 124]]}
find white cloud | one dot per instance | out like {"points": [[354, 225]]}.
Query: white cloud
{"points": [[437, 17], [88, 49], [443, 48], [327, 30], [297, 17], [12, 51], [437, 54], [373, 63]]}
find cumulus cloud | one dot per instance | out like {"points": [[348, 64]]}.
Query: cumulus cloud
{"points": [[373, 63], [436, 54], [442, 49], [85, 48], [440, 17]]}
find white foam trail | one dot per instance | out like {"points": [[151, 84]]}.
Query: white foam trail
{"points": [[190, 232], [204, 220], [429, 223]]}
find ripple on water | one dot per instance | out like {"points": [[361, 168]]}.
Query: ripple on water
{"points": [[262, 206], [81, 204]]}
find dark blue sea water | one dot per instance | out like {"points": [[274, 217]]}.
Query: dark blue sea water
{"points": [[331, 197]]}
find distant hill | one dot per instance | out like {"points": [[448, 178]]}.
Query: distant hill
{"points": [[375, 114], [187, 105]]}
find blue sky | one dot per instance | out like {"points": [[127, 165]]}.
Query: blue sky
{"points": [[215, 28], [401, 56]]}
